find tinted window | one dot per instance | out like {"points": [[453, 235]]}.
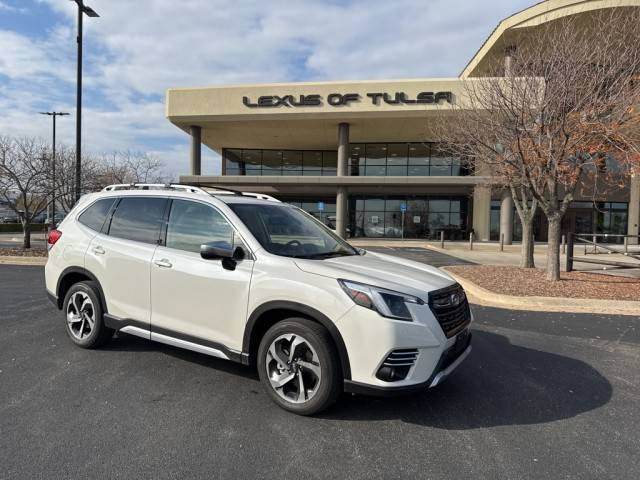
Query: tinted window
{"points": [[191, 224], [138, 218], [94, 216]]}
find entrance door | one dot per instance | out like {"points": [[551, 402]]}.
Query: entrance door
{"points": [[578, 221]]}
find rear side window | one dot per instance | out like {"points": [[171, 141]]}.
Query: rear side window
{"points": [[139, 219], [94, 216], [191, 224]]}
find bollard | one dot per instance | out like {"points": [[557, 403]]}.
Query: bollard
{"points": [[442, 239], [570, 253], [626, 245], [595, 248], [502, 242], [471, 241], [564, 244]]}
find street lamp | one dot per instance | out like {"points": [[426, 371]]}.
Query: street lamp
{"points": [[82, 9], [53, 164]]}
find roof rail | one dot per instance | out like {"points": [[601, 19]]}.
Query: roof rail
{"points": [[186, 188], [154, 186], [261, 196], [225, 191]]}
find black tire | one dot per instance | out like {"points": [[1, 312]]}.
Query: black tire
{"points": [[100, 333], [330, 385]]}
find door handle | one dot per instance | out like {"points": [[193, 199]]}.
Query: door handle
{"points": [[98, 250], [164, 263]]}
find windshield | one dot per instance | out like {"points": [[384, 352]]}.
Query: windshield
{"points": [[288, 231]]}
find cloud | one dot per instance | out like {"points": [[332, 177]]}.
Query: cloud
{"points": [[4, 6], [136, 50]]}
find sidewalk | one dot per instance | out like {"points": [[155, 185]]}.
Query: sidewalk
{"points": [[488, 253]]}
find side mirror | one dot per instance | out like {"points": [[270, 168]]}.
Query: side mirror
{"points": [[216, 250], [239, 254]]}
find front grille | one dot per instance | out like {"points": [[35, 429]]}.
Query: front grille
{"points": [[451, 308]]}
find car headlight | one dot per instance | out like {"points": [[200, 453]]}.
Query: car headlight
{"points": [[386, 302]]}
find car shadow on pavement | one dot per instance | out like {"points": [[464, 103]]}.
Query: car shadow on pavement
{"points": [[129, 343], [499, 384]]}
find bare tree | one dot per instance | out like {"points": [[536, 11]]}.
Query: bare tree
{"points": [[565, 116], [66, 176], [128, 166], [24, 181], [106, 169]]}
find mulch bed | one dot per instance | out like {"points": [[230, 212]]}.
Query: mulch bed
{"points": [[530, 282], [21, 252]]}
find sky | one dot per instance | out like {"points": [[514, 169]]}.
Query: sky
{"points": [[136, 50]]}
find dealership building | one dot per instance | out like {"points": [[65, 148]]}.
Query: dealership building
{"points": [[363, 156]]}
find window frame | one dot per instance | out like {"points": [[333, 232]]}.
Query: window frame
{"points": [[235, 231], [106, 227], [114, 202]]}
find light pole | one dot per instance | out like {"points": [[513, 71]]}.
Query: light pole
{"points": [[82, 9], [53, 165]]}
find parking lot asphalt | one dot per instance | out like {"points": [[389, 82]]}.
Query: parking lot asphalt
{"points": [[419, 254], [541, 396]]}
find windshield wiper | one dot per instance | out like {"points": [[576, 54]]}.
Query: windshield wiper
{"points": [[325, 255]]}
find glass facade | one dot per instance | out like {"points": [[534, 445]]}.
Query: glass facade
{"points": [[279, 162], [611, 218], [366, 159], [326, 214], [380, 216], [403, 159], [581, 217]]}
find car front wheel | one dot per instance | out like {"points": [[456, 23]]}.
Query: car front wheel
{"points": [[299, 367]]}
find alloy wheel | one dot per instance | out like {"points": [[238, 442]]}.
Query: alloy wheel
{"points": [[293, 368], [80, 315]]}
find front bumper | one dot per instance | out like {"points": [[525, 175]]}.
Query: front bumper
{"points": [[53, 299], [449, 361]]}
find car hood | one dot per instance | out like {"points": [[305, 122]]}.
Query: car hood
{"points": [[381, 270]]}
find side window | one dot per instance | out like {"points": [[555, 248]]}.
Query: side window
{"points": [[139, 219], [94, 216], [191, 224]]}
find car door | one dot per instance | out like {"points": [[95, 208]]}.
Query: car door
{"points": [[192, 298], [120, 257]]}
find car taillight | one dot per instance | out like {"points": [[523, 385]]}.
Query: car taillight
{"points": [[54, 236]]}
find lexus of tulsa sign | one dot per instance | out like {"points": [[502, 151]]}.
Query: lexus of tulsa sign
{"points": [[339, 99]]}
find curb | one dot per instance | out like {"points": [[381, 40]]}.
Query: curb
{"points": [[17, 260], [485, 297]]}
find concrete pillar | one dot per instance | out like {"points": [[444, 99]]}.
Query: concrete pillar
{"points": [[508, 60], [343, 149], [506, 217], [196, 150], [482, 212], [634, 209], [342, 193]]}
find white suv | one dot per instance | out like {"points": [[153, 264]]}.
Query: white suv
{"points": [[247, 278]]}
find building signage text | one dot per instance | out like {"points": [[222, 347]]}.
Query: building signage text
{"points": [[340, 99]]}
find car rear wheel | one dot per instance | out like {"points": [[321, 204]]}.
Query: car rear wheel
{"points": [[299, 367], [83, 314]]}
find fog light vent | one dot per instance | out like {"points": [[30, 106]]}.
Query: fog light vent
{"points": [[397, 365]]}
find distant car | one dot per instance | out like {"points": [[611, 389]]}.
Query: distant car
{"points": [[244, 278]]}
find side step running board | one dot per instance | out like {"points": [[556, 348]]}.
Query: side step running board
{"points": [[175, 342]]}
